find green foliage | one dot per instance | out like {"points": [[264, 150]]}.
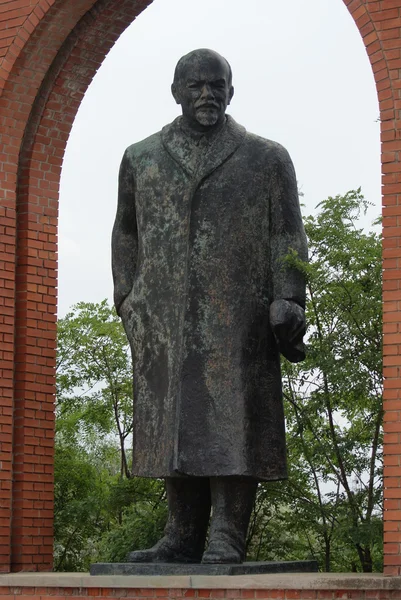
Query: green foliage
{"points": [[94, 379], [80, 511], [331, 505], [142, 522], [96, 501]]}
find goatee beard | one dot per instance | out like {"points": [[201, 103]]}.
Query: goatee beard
{"points": [[207, 118]]}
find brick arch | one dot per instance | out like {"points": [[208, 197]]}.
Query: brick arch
{"points": [[48, 65], [41, 95], [378, 29], [23, 22], [379, 25]]}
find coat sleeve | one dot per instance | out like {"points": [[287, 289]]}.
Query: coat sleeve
{"points": [[286, 231], [124, 243]]}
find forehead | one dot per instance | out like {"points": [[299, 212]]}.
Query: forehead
{"points": [[204, 68]]}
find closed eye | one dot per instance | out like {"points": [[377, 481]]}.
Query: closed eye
{"points": [[219, 84]]}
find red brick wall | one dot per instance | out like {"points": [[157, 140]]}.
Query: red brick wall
{"points": [[49, 52], [47, 68], [381, 31], [105, 593]]}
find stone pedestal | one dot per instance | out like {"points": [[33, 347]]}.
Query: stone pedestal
{"points": [[247, 568]]}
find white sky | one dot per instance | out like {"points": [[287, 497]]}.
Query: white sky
{"points": [[301, 77]]}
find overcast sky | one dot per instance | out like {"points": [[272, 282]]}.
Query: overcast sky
{"points": [[301, 77]]}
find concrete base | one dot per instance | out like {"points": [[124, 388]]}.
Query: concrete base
{"points": [[247, 568], [284, 586]]}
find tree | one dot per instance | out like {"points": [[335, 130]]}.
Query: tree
{"points": [[95, 497], [81, 511], [143, 518], [94, 379], [331, 505]]}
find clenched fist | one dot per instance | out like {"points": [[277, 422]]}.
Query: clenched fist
{"points": [[287, 320]]}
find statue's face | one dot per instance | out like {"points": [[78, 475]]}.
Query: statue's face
{"points": [[204, 91]]}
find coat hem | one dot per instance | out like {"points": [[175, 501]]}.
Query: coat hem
{"points": [[182, 474]]}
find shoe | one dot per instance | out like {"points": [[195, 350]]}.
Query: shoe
{"points": [[188, 517], [162, 552], [232, 503], [222, 552]]}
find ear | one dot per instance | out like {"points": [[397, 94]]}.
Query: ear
{"points": [[174, 91], [230, 94]]}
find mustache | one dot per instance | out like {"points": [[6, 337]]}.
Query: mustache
{"points": [[207, 105]]}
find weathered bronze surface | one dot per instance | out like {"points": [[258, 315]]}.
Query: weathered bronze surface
{"points": [[206, 214]]}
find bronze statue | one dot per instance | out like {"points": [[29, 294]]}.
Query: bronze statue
{"points": [[206, 214]]}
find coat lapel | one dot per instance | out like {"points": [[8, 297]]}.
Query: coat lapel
{"points": [[222, 147], [180, 147]]}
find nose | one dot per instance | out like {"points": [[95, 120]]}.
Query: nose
{"points": [[207, 92]]}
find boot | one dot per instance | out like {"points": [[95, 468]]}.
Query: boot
{"points": [[232, 503], [188, 517]]}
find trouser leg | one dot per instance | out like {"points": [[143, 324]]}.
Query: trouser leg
{"points": [[232, 503], [188, 517]]}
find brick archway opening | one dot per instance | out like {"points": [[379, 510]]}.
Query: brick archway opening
{"points": [[52, 54]]}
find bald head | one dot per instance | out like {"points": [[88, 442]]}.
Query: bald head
{"points": [[200, 58], [203, 87]]}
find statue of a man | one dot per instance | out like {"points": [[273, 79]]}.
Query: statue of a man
{"points": [[207, 213]]}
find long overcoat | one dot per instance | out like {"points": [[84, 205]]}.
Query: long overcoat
{"points": [[198, 249]]}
